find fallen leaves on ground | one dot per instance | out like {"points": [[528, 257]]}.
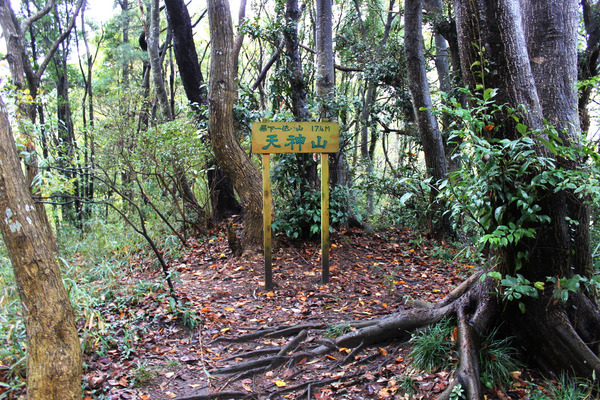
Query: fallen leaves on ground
{"points": [[150, 354]]}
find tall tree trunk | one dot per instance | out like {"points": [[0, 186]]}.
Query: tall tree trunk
{"points": [[153, 39], [431, 137], [559, 100], [54, 353], [223, 200], [67, 146], [325, 61], [307, 167], [232, 158], [126, 22], [185, 53], [87, 107], [442, 66]]}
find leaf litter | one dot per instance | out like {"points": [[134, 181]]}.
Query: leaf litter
{"points": [[156, 355]]}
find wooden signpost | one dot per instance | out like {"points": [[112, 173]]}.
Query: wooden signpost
{"points": [[295, 137]]}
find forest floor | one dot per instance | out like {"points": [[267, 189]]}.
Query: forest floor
{"points": [[154, 355]]}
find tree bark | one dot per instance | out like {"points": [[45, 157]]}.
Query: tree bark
{"points": [[306, 165], [185, 53], [325, 84], [54, 353], [223, 200], [431, 137], [153, 39], [325, 60], [230, 155], [532, 47]]}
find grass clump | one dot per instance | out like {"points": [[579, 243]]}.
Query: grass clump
{"points": [[565, 388], [434, 349]]}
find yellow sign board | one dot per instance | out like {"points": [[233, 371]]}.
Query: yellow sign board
{"points": [[295, 137]]}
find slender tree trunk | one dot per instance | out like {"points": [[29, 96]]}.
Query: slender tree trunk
{"points": [[54, 353], [153, 40], [232, 158], [442, 66], [307, 167], [325, 84], [88, 117], [126, 21], [431, 137], [325, 60]]}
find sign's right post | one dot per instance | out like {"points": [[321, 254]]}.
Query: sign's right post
{"points": [[324, 218]]}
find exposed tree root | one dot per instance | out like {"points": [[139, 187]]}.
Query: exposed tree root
{"points": [[558, 335], [276, 332], [564, 332], [219, 396]]}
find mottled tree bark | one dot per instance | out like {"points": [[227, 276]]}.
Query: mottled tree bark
{"points": [[230, 155], [54, 353], [153, 39]]}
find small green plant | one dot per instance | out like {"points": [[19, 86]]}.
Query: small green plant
{"points": [[390, 282], [186, 312], [457, 392], [334, 331], [407, 385], [433, 348], [143, 374]]}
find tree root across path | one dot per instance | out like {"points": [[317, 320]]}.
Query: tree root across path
{"points": [[475, 307]]}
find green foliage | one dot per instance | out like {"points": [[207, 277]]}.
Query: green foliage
{"points": [[457, 392], [565, 388], [402, 198], [298, 203], [143, 374], [334, 331], [502, 180], [433, 348]]}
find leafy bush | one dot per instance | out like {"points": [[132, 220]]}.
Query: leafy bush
{"points": [[299, 212]]}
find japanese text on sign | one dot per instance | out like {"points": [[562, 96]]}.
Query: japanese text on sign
{"points": [[295, 137]]}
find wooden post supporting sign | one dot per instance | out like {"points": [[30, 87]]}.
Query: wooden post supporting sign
{"points": [[295, 137], [267, 241], [324, 218]]}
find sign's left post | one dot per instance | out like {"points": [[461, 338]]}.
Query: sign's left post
{"points": [[267, 199]]}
